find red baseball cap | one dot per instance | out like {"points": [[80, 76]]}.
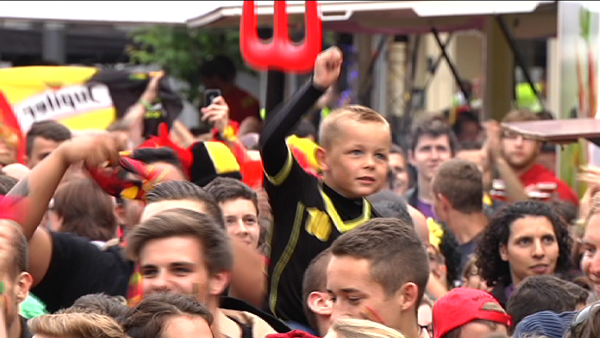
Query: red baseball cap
{"points": [[461, 306]]}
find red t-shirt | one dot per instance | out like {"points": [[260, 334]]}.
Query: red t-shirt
{"points": [[241, 105], [539, 174]]}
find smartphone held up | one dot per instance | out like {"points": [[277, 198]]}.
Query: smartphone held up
{"points": [[209, 96]]}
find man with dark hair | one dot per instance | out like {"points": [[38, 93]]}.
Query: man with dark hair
{"points": [[364, 277], [522, 240], [247, 277], [183, 251], [477, 153], [181, 194], [112, 306], [541, 293], [315, 299], [168, 315], [42, 139], [239, 205], [80, 207], [14, 277], [159, 156], [457, 191], [173, 230], [467, 127], [580, 294], [433, 142]]}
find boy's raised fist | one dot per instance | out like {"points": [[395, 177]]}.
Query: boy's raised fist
{"points": [[328, 66]]}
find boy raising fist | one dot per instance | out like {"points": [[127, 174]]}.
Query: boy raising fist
{"points": [[309, 214]]}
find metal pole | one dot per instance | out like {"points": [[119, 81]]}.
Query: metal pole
{"points": [[409, 89], [451, 65], [368, 82], [518, 57], [275, 92], [435, 66]]}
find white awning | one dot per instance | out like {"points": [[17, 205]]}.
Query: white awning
{"points": [[134, 12], [397, 17]]}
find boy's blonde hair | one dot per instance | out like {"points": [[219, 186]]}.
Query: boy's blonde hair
{"points": [[331, 125], [360, 328], [79, 325]]}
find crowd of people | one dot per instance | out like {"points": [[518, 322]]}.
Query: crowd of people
{"points": [[460, 233]]}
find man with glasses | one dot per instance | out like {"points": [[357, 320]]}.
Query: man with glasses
{"points": [[520, 153]]}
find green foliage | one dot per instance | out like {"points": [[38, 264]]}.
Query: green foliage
{"points": [[180, 52], [585, 21]]}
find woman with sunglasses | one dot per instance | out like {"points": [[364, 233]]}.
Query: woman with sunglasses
{"points": [[523, 239]]}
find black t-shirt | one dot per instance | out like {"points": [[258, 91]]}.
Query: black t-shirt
{"points": [[78, 268], [308, 215]]}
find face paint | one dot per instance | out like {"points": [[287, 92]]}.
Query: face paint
{"points": [[370, 314]]}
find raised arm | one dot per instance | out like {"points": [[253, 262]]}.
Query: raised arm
{"points": [[39, 186], [281, 121], [134, 117], [515, 191]]}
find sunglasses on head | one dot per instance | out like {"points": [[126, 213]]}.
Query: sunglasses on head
{"points": [[582, 316]]}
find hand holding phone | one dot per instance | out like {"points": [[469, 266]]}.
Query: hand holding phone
{"points": [[217, 113], [210, 95]]}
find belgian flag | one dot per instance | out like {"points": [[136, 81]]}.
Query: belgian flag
{"points": [[82, 97]]}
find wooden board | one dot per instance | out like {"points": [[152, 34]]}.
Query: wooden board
{"points": [[557, 131]]}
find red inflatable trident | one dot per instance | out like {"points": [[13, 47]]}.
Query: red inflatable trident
{"points": [[281, 53]]}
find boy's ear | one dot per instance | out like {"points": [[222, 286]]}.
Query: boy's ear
{"points": [[322, 158], [411, 158]]}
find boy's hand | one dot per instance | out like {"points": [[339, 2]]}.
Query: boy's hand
{"points": [[94, 150], [328, 66]]}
